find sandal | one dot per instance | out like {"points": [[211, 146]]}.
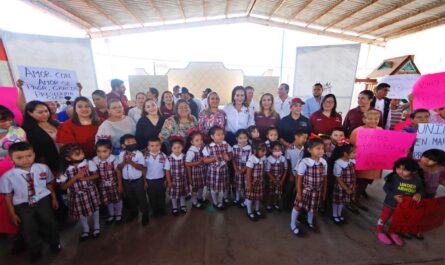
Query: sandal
{"points": [[252, 217], [96, 233], [175, 211], [84, 237]]}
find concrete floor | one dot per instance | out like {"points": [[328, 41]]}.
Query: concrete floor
{"points": [[210, 237]]}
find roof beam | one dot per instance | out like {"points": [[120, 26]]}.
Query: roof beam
{"points": [[297, 12], [61, 12], [156, 9], [99, 9], [234, 20], [377, 15], [204, 6], [415, 27], [228, 6], [181, 9], [276, 7], [350, 14], [324, 12], [135, 17], [250, 7], [403, 17]]}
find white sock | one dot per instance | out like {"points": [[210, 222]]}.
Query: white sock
{"points": [[182, 201], [174, 203], [237, 195], [118, 210], [249, 205], [200, 194], [310, 217], [194, 198], [293, 219], [340, 210], [84, 223], [96, 220], [214, 197], [257, 205], [110, 208], [334, 210]]}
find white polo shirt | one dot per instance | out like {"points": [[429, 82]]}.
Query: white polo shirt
{"points": [[156, 164], [294, 154], [282, 107], [14, 182], [238, 120], [128, 171]]}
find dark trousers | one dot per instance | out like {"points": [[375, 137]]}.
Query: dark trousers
{"points": [[156, 195], [36, 221], [135, 194], [288, 195]]}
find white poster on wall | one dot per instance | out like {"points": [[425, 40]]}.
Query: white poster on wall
{"points": [[400, 85], [333, 66]]}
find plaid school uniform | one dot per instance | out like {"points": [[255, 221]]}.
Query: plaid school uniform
{"points": [[217, 171], [240, 156], [199, 179], [107, 179], [312, 184], [257, 165], [83, 197], [180, 187], [340, 196], [276, 167]]}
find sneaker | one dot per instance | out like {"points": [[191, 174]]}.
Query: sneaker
{"points": [[384, 239], [396, 239]]}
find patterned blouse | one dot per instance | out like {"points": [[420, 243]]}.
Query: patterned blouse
{"points": [[208, 120], [172, 128]]}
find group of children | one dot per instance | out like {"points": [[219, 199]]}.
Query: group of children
{"points": [[321, 169]]}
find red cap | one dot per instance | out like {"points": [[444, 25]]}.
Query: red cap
{"points": [[297, 100]]}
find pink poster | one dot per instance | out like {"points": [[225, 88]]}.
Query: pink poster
{"points": [[429, 91], [379, 149], [9, 100]]}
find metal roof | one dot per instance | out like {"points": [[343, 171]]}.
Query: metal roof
{"points": [[366, 21]]}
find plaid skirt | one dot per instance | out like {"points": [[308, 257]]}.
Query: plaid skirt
{"points": [[340, 196], [179, 188], [199, 177], [83, 202], [257, 192], [218, 178], [310, 200], [240, 182], [108, 192], [274, 189]]}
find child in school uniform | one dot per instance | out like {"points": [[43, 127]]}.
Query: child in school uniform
{"points": [[241, 152], [255, 180], [177, 180], [403, 181], [30, 199], [131, 169], [254, 134], [276, 170], [293, 154], [342, 168], [196, 169], [79, 179], [110, 188], [216, 155], [310, 184], [271, 136], [327, 141], [156, 163]]}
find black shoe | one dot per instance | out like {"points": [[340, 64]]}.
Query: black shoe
{"points": [[131, 217], [145, 219], [96, 233], [118, 221], [311, 227], [219, 207], [227, 202], [188, 197], [336, 220], [252, 217], [183, 209], [110, 220], [56, 248], [269, 208], [259, 214], [198, 206], [175, 211], [84, 237]]}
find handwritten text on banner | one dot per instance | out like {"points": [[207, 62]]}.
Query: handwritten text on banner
{"points": [[401, 85], [429, 91]]}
